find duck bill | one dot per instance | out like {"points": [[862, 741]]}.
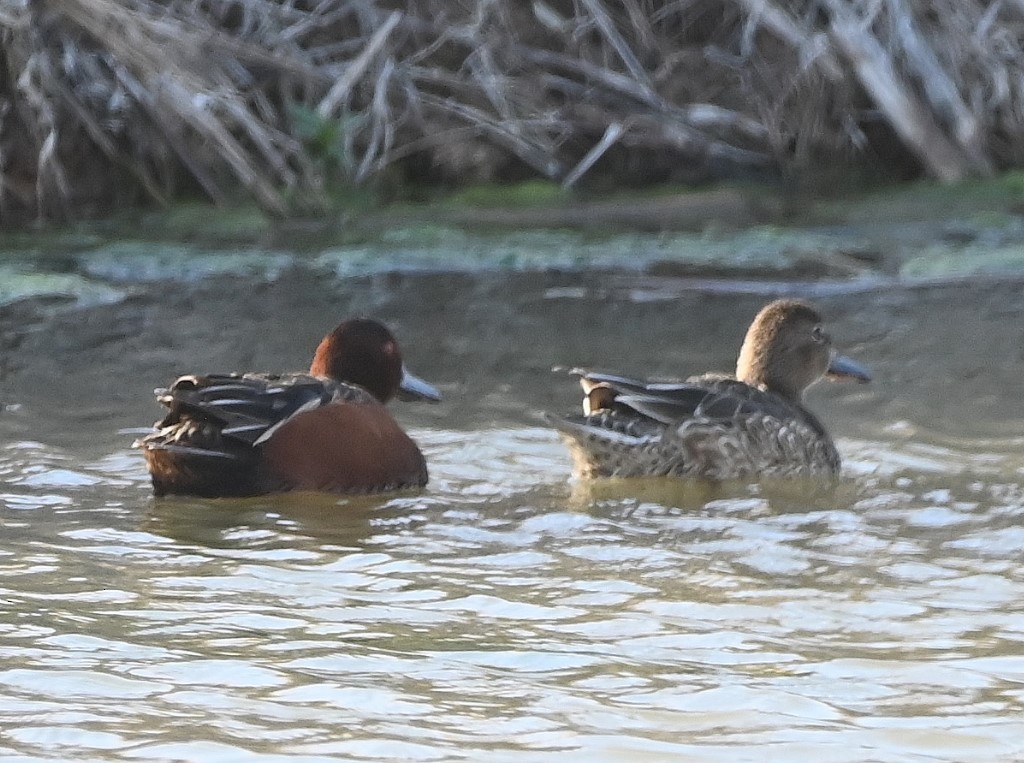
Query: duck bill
{"points": [[841, 368], [414, 388]]}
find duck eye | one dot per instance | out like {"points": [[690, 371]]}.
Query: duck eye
{"points": [[818, 334]]}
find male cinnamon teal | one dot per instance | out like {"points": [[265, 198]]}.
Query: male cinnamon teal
{"points": [[715, 426], [249, 434]]}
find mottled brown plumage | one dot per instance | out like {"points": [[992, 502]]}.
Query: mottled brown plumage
{"points": [[714, 426]]}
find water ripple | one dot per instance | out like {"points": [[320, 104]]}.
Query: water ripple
{"points": [[499, 617]]}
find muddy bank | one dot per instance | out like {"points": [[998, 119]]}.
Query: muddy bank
{"points": [[915, 234]]}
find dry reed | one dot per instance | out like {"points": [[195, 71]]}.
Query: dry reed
{"points": [[110, 102]]}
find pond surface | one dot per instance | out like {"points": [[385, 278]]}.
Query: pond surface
{"points": [[504, 613]]}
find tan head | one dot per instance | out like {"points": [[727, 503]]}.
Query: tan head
{"points": [[787, 349]]}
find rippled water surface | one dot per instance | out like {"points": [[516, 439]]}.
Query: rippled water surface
{"points": [[505, 613]]}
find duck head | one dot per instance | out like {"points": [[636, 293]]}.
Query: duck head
{"points": [[787, 349], [364, 352]]}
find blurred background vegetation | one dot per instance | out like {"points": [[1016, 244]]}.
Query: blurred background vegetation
{"points": [[300, 104]]}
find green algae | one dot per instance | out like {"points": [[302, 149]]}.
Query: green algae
{"points": [[143, 261], [774, 251], [941, 261], [441, 248], [921, 231], [18, 283], [768, 248]]}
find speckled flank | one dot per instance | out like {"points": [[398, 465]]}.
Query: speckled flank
{"points": [[755, 446], [713, 426]]}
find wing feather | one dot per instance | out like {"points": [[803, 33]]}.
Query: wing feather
{"points": [[246, 409]]}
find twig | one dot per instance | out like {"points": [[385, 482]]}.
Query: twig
{"points": [[640, 22], [146, 100], [173, 95], [939, 89], [106, 145], [383, 129], [904, 110], [636, 70], [538, 157], [615, 129], [339, 91], [610, 79], [812, 47], [486, 74]]}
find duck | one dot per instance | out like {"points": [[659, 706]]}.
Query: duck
{"points": [[715, 426], [328, 430]]}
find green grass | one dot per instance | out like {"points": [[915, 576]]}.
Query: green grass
{"points": [[532, 193], [926, 200]]}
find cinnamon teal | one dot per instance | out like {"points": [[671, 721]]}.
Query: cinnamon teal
{"points": [[715, 426], [249, 434]]}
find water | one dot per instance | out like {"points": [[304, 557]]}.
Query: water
{"points": [[504, 613]]}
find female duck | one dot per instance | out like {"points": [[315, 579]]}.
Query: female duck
{"points": [[249, 434], [714, 426]]}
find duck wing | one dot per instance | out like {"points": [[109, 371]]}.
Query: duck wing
{"points": [[710, 426], [245, 409], [710, 397]]}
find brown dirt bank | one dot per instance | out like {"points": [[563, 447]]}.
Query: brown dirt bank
{"points": [[690, 211]]}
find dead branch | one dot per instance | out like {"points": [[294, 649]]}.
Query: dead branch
{"points": [[939, 89], [612, 134], [172, 93], [908, 116], [357, 68], [813, 48]]}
